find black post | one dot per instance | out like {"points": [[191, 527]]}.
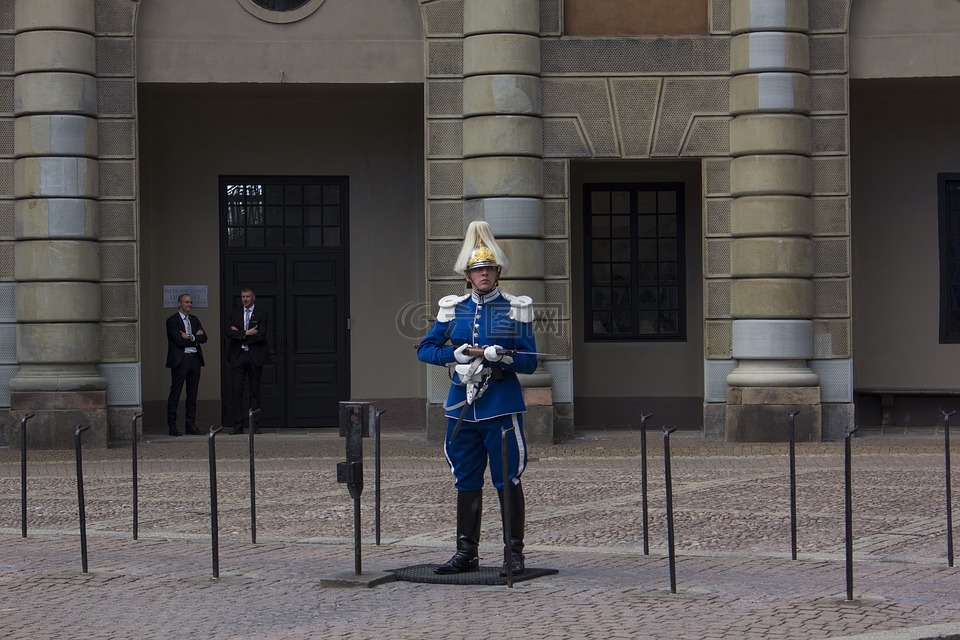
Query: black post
{"points": [[669, 483], [376, 480], [214, 524], [251, 420], [793, 485], [848, 510], [946, 461], [23, 474], [354, 424], [507, 515], [133, 441], [357, 541], [643, 482], [83, 505]]}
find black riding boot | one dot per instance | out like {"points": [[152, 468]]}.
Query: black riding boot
{"points": [[514, 552], [469, 508]]}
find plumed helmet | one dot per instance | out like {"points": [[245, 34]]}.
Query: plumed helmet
{"points": [[480, 249]]}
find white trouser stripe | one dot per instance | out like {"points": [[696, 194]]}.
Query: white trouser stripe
{"points": [[521, 450]]}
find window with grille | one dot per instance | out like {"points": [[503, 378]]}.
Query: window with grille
{"points": [[949, 197], [634, 262], [275, 212]]}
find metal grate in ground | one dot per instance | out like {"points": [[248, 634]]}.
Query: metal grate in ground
{"points": [[482, 576]]}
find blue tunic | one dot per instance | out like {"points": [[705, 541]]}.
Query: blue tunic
{"points": [[483, 321]]}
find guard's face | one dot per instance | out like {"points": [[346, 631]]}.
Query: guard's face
{"points": [[247, 298], [186, 304], [483, 279]]}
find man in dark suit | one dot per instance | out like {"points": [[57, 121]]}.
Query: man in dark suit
{"points": [[185, 334], [247, 353]]}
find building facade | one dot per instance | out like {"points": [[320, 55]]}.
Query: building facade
{"points": [[725, 210]]}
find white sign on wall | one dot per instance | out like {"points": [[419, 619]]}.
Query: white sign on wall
{"points": [[172, 291]]}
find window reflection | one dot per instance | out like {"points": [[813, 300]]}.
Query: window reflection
{"points": [[635, 253], [285, 213]]}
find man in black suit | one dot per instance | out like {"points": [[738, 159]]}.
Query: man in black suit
{"points": [[184, 358], [247, 353]]}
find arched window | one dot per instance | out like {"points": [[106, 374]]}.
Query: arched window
{"points": [[281, 5], [280, 11]]}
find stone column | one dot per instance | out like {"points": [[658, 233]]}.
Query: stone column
{"points": [[771, 223], [503, 157], [57, 258]]}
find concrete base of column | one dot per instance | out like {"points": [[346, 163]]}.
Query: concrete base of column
{"points": [[120, 422], [772, 373], [837, 420], [56, 416], [563, 421], [714, 421], [761, 414]]}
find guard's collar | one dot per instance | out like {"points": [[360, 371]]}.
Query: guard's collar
{"points": [[481, 298]]}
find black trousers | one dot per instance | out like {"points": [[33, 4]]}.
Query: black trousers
{"points": [[188, 371], [243, 367]]}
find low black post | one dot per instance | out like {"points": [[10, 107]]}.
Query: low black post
{"points": [[214, 523], [946, 461], [643, 482], [669, 484], [507, 540], [23, 474], [793, 485], [848, 510], [251, 422], [83, 505], [357, 420], [376, 479], [133, 441]]}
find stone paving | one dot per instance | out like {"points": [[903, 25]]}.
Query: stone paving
{"points": [[734, 574]]}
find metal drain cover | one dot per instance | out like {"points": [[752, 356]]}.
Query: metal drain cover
{"points": [[482, 576]]}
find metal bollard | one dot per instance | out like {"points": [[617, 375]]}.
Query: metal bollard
{"points": [[669, 484], [848, 511], [376, 475], [508, 541], [251, 423], [214, 523], [83, 506], [946, 461], [793, 485], [23, 474], [643, 482], [357, 421], [133, 440]]}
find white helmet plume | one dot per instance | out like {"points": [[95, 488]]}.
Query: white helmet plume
{"points": [[480, 249]]}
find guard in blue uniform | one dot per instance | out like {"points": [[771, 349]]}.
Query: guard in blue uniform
{"points": [[485, 390]]}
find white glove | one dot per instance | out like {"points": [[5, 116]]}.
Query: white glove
{"points": [[460, 356], [491, 355]]}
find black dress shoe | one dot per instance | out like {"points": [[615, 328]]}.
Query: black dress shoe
{"points": [[237, 431], [174, 431], [461, 562], [193, 431]]}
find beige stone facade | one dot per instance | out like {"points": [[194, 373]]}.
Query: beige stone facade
{"points": [[805, 148]]}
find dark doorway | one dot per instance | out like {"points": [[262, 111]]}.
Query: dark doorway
{"points": [[286, 238]]}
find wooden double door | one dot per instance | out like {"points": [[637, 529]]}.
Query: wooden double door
{"points": [[286, 238], [305, 297]]}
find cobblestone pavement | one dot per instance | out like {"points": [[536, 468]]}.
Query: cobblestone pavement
{"points": [[735, 576]]}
